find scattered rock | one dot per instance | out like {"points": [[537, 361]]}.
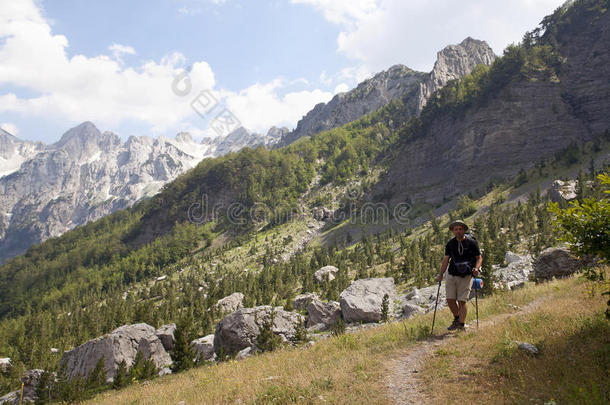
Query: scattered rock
{"points": [[166, 334], [230, 303], [161, 278], [165, 371], [361, 301], [322, 214], [516, 274], [326, 273], [563, 190], [247, 352], [409, 310], [325, 313], [204, 347], [5, 363], [241, 328], [300, 301], [528, 348], [123, 343], [54, 350], [556, 262], [511, 257]]}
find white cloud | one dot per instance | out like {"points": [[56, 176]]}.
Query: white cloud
{"points": [[10, 128], [102, 89], [341, 88], [261, 105], [382, 33], [118, 50]]}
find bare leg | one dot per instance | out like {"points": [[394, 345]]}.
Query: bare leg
{"points": [[453, 306], [463, 310]]}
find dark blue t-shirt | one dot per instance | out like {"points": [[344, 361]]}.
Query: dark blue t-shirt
{"points": [[469, 253]]}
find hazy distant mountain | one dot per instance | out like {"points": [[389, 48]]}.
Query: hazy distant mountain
{"points": [[46, 190]]}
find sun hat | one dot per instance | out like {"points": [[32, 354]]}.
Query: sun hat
{"points": [[458, 222]]}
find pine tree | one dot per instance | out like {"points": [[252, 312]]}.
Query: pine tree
{"points": [[43, 389], [97, 378], [268, 341], [183, 354], [120, 379], [385, 308]]}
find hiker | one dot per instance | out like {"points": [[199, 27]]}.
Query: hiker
{"points": [[465, 262]]}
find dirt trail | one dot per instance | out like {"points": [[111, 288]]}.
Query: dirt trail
{"points": [[402, 380]]}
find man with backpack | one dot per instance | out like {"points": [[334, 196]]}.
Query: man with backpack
{"points": [[463, 257]]}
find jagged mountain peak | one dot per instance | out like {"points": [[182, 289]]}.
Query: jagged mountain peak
{"points": [[185, 137]]}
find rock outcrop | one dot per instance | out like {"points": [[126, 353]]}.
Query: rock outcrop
{"points": [[556, 263], [524, 121], [230, 303], [561, 191], [453, 62], [166, 334], [204, 348], [301, 301], [362, 300], [123, 343], [325, 313], [326, 273], [240, 329], [516, 273]]}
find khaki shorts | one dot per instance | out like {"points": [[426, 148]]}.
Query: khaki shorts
{"points": [[458, 288]]}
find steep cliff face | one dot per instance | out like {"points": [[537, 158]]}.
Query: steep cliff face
{"points": [[529, 119], [367, 97], [453, 62], [47, 190]]}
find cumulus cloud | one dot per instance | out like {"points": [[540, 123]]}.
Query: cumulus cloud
{"points": [[380, 33], [259, 104], [102, 89]]}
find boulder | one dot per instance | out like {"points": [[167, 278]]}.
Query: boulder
{"points": [[241, 328], [515, 275], [302, 300], [166, 334], [409, 310], [362, 300], [528, 348], [563, 190], [326, 273], [123, 343], [230, 303], [5, 362], [511, 257], [421, 300], [326, 313], [247, 352], [30, 381], [204, 348], [556, 262]]}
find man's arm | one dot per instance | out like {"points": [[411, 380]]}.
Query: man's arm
{"points": [[443, 268], [475, 272]]}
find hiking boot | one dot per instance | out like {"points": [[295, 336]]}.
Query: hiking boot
{"points": [[456, 326], [453, 325]]}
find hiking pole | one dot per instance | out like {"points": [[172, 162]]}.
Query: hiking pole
{"points": [[477, 284], [435, 305]]}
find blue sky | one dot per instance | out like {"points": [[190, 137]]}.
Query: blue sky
{"points": [[268, 62]]}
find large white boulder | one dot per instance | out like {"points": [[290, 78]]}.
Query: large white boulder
{"points": [[230, 303], [362, 300], [123, 343], [241, 328], [326, 273]]}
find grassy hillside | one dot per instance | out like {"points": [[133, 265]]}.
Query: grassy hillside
{"points": [[103, 275], [481, 365]]}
